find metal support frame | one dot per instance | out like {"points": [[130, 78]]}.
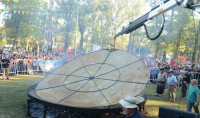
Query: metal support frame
{"points": [[44, 112], [28, 107]]}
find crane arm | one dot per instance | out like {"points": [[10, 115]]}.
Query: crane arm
{"points": [[156, 11]]}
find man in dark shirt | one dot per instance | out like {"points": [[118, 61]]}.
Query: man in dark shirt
{"points": [[186, 77], [5, 64]]}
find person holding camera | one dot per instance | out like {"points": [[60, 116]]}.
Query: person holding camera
{"points": [[186, 77]]}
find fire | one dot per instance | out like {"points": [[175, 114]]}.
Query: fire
{"points": [[65, 111], [106, 114]]}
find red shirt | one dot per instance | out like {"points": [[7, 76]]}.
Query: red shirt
{"points": [[28, 62], [173, 63]]}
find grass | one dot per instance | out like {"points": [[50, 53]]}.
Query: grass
{"points": [[153, 102], [13, 97]]}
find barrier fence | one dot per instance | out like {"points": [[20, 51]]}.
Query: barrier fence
{"points": [[47, 66], [41, 67], [154, 73]]}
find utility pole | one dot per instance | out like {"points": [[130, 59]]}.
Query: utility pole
{"points": [[101, 32], [27, 43], [140, 47], [77, 6], [130, 39], [30, 24]]}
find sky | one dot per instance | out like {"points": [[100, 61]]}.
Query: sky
{"points": [[1, 14]]}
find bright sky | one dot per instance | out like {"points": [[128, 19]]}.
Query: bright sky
{"points": [[1, 15]]}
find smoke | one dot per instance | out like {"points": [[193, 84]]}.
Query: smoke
{"points": [[50, 65]]}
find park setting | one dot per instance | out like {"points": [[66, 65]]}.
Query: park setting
{"points": [[13, 97], [99, 58]]}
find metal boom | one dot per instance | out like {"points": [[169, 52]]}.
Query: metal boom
{"points": [[156, 11]]}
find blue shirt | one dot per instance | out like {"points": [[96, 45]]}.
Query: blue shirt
{"points": [[6, 53], [171, 80], [137, 114]]}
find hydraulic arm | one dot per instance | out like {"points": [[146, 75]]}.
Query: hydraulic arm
{"points": [[156, 11]]}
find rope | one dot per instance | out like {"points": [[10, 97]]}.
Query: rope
{"points": [[178, 3]]}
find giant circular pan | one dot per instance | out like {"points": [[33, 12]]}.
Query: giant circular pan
{"points": [[93, 82]]}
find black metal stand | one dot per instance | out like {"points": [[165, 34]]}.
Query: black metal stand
{"points": [[28, 107], [69, 115], [44, 113]]}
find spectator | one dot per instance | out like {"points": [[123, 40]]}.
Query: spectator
{"points": [[193, 96], [6, 53], [161, 81], [5, 63], [11, 65], [15, 63], [186, 78], [28, 64], [172, 84], [24, 65], [35, 64], [129, 105], [20, 62]]}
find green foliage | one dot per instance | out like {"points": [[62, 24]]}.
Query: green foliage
{"points": [[18, 26]]}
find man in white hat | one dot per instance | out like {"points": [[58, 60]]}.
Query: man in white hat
{"points": [[129, 105]]}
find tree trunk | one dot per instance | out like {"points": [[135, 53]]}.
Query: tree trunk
{"points": [[198, 60], [14, 44], [14, 41], [198, 57], [130, 42], [196, 44], [156, 51], [178, 44], [131, 47], [156, 55], [130, 39], [81, 42], [67, 33], [81, 29], [164, 56], [171, 23]]}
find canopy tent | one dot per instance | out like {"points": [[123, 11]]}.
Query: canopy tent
{"points": [[182, 59], [69, 51]]}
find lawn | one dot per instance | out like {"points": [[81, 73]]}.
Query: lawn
{"points": [[13, 97], [153, 102]]}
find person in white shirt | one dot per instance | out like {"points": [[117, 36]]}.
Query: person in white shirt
{"points": [[172, 84]]}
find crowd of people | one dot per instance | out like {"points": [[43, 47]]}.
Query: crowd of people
{"points": [[24, 62], [170, 75], [165, 75]]}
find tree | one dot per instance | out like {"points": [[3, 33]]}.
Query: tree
{"points": [[196, 41], [16, 24]]}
